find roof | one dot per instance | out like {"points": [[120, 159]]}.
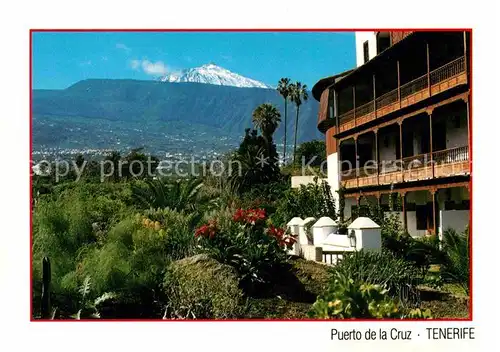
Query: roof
{"points": [[363, 223], [307, 220], [295, 221], [323, 83], [325, 221]]}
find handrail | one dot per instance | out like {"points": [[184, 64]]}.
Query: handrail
{"points": [[452, 155], [437, 75], [394, 166], [387, 98], [416, 161], [448, 70], [414, 86], [364, 109], [347, 116]]}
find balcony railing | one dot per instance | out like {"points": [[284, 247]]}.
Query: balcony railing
{"points": [[453, 155], [417, 85], [414, 86], [364, 109], [416, 161], [444, 163], [447, 71], [348, 116], [389, 166], [387, 98]]}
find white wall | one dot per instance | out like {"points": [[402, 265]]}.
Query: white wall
{"points": [[349, 202], [297, 181], [455, 219], [361, 37], [411, 218], [387, 152], [456, 137], [332, 164]]}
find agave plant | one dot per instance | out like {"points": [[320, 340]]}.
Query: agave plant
{"points": [[89, 307]]}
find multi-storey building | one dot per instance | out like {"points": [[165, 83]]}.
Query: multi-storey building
{"points": [[399, 123]]}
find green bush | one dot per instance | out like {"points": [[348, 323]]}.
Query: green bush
{"points": [[200, 287], [243, 241], [456, 263], [348, 298], [312, 200], [379, 268]]}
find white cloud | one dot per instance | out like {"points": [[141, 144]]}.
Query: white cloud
{"points": [[135, 64], [123, 47], [150, 68], [154, 68]]}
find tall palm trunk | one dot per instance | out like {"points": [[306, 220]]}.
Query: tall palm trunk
{"points": [[284, 142], [296, 128]]}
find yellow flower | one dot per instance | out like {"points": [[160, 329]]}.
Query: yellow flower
{"points": [[157, 226]]}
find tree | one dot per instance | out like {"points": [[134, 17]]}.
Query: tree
{"points": [[266, 118], [298, 94], [313, 152], [284, 90]]}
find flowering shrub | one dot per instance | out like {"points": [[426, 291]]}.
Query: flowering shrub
{"points": [[207, 230], [249, 216], [244, 241], [281, 235]]}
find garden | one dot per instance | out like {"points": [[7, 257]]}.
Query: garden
{"points": [[216, 247]]}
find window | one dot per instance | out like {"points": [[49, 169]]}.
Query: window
{"points": [[383, 41], [366, 52]]}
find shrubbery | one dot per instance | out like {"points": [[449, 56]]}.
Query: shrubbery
{"points": [[379, 268], [247, 243], [314, 199], [200, 287], [350, 298]]}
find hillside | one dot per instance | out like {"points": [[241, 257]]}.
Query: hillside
{"points": [[104, 113]]}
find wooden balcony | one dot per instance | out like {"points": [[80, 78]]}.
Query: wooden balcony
{"points": [[443, 78], [443, 163]]}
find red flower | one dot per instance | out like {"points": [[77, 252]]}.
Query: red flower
{"points": [[249, 216], [281, 236], [239, 216], [208, 230]]}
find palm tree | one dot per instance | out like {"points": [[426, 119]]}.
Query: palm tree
{"points": [[266, 118], [298, 93], [284, 90], [180, 195]]}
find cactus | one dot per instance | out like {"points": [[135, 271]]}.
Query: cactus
{"points": [[46, 310]]}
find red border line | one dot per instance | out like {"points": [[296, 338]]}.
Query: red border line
{"points": [[214, 30]]}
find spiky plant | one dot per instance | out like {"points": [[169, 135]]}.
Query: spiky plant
{"points": [[456, 267], [180, 195]]}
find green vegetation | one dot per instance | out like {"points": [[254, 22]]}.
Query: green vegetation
{"points": [[215, 246]]}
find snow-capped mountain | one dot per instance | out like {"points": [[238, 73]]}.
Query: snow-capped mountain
{"points": [[213, 74]]}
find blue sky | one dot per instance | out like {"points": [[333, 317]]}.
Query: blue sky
{"points": [[61, 59]]}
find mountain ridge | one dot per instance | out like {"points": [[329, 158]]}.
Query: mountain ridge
{"points": [[112, 113]]}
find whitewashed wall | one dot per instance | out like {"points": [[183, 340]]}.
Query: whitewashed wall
{"points": [[455, 219], [332, 164], [456, 136], [297, 181], [388, 151], [361, 37]]}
